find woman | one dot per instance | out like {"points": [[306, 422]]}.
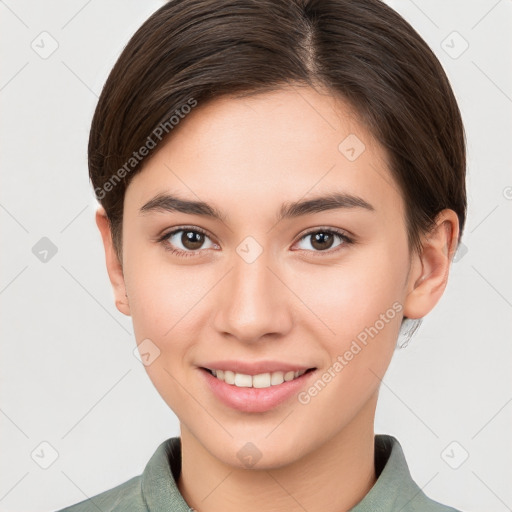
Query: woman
{"points": [[282, 189]]}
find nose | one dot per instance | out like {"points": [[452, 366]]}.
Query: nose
{"points": [[253, 302]]}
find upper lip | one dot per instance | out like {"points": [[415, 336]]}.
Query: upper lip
{"points": [[254, 367]]}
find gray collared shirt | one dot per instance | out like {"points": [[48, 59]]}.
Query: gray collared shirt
{"points": [[156, 489]]}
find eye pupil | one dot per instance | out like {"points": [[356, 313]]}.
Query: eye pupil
{"points": [[192, 240], [323, 239]]}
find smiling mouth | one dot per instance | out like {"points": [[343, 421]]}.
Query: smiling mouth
{"points": [[262, 380]]}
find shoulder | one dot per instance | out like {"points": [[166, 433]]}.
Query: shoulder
{"points": [[422, 503], [395, 490], [155, 489], [126, 497]]}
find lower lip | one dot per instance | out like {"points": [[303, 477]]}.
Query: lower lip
{"points": [[254, 399]]}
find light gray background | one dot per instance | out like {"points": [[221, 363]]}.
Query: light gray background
{"points": [[68, 374]]}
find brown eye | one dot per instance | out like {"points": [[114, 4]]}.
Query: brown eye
{"points": [[186, 241], [322, 240], [192, 240]]}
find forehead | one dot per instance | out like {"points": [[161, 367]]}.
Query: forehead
{"points": [[270, 147]]}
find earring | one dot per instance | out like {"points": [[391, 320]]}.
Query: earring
{"points": [[408, 328]]}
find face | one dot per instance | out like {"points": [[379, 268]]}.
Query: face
{"points": [[298, 262]]}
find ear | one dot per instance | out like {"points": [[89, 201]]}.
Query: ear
{"points": [[429, 271], [114, 266]]}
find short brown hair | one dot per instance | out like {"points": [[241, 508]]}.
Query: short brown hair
{"points": [[361, 50]]}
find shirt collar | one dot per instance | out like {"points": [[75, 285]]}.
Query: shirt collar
{"points": [[393, 490], [160, 479]]}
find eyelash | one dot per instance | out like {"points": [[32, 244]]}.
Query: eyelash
{"points": [[185, 254]]}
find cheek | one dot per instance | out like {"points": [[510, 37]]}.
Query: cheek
{"points": [[168, 306], [352, 296], [359, 305], [160, 293], [165, 306]]}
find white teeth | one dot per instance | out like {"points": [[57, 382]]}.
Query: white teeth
{"points": [[229, 377], [242, 380], [277, 378], [289, 376], [262, 380]]}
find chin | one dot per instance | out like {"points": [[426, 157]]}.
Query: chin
{"points": [[257, 452]]}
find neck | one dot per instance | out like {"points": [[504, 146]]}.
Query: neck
{"points": [[333, 478]]}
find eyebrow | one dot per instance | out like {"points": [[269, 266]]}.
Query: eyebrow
{"points": [[165, 202]]}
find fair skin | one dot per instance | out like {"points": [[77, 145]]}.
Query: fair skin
{"points": [[295, 303]]}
